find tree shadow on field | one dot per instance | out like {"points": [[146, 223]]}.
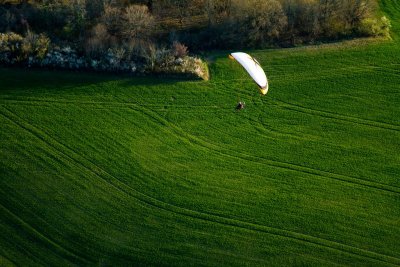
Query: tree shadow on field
{"points": [[53, 81]]}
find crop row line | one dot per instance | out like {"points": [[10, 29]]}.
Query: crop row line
{"points": [[280, 103], [120, 186], [98, 104], [275, 163], [332, 115], [41, 236], [309, 170], [291, 166]]}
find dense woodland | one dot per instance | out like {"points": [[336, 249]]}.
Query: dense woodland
{"points": [[146, 29]]}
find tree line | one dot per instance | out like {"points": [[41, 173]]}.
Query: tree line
{"points": [[139, 28], [260, 23]]}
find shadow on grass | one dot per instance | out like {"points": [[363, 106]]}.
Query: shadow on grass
{"points": [[23, 79]]}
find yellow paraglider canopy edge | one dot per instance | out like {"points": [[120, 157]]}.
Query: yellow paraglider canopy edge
{"points": [[264, 90]]}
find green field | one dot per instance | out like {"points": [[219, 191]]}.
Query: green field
{"points": [[103, 170]]}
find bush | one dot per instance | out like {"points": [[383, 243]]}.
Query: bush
{"points": [[35, 45], [151, 54], [179, 50], [187, 66], [375, 27], [162, 60], [16, 48], [10, 45], [195, 67]]}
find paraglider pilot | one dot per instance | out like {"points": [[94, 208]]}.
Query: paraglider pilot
{"points": [[240, 105]]}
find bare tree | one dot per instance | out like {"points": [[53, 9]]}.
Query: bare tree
{"points": [[302, 16], [218, 10], [112, 19], [98, 41], [354, 11], [262, 21], [137, 22]]}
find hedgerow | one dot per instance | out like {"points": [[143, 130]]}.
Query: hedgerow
{"points": [[136, 32]]}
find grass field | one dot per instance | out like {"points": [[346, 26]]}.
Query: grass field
{"points": [[103, 170]]}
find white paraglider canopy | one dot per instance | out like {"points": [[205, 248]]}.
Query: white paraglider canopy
{"points": [[253, 68]]}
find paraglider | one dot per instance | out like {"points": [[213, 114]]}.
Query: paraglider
{"points": [[253, 68]]}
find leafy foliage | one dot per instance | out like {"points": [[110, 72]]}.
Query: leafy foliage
{"points": [[376, 27], [16, 48]]}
